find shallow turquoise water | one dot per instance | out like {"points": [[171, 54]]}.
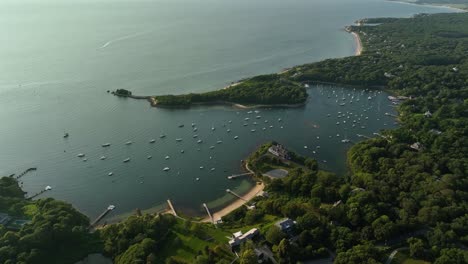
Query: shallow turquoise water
{"points": [[59, 59]]}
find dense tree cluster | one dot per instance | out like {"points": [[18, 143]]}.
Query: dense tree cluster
{"points": [[57, 232]]}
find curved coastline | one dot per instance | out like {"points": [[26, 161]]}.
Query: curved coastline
{"points": [[259, 187]]}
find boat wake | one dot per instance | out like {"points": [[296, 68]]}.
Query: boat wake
{"points": [[110, 42]]}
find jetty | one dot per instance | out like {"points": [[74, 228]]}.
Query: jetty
{"points": [[24, 172], [209, 214], [171, 207], [235, 194], [101, 216], [364, 136], [37, 194], [239, 175]]}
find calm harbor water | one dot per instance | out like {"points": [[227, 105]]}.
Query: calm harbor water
{"points": [[59, 58]]}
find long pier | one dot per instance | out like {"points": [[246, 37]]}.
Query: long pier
{"points": [[101, 216], [235, 194], [172, 207], [209, 214], [24, 172], [37, 194], [392, 115], [239, 175], [364, 136]]}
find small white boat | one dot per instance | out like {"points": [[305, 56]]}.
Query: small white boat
{"points": [[128, 143], [110, 173], [111, 207], [48, 188], [213, 128], [345, 140], [102, 158], [149, 157], [197, 179], [212, 169], [219, 142], [337, 123], [182, 151], [305, 147], [342, 104], [166, 169], [306, 85], [228, 130], [106, 145], [201, 167], [249, 112], [279, 120], [199, 141], [178, 139], [368, 98], [212, 147], [236, 137], [162, 136], [245, 124], [229, 121], [258, 117], [167, 157], [152, 141], [80, 155], [193, 124], [126, 160], [255, 123], [181, 125], [195, 129], [264, 128], [85, 159], [252, 130], [246, 119], [195, 136]]}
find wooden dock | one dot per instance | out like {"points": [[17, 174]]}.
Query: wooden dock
{"points": [[209, 214], [239, 175], [37, 194], [171, 207], [101, 216], [235, 194], [364, 136]]}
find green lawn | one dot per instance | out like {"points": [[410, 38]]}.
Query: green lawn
{"points": [[186, 245]]}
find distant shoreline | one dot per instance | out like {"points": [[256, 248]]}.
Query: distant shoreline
{"points": [[429, 4]]}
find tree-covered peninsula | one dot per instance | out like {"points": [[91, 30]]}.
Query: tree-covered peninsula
{"points": [[270, 89]]}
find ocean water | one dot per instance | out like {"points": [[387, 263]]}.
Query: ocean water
{"points": [[60, 57]]}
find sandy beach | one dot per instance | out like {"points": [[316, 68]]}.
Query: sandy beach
{"points": [[237, 203], [358, 43]]}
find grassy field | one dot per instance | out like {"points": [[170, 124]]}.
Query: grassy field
{"points": [[187, 245]]}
